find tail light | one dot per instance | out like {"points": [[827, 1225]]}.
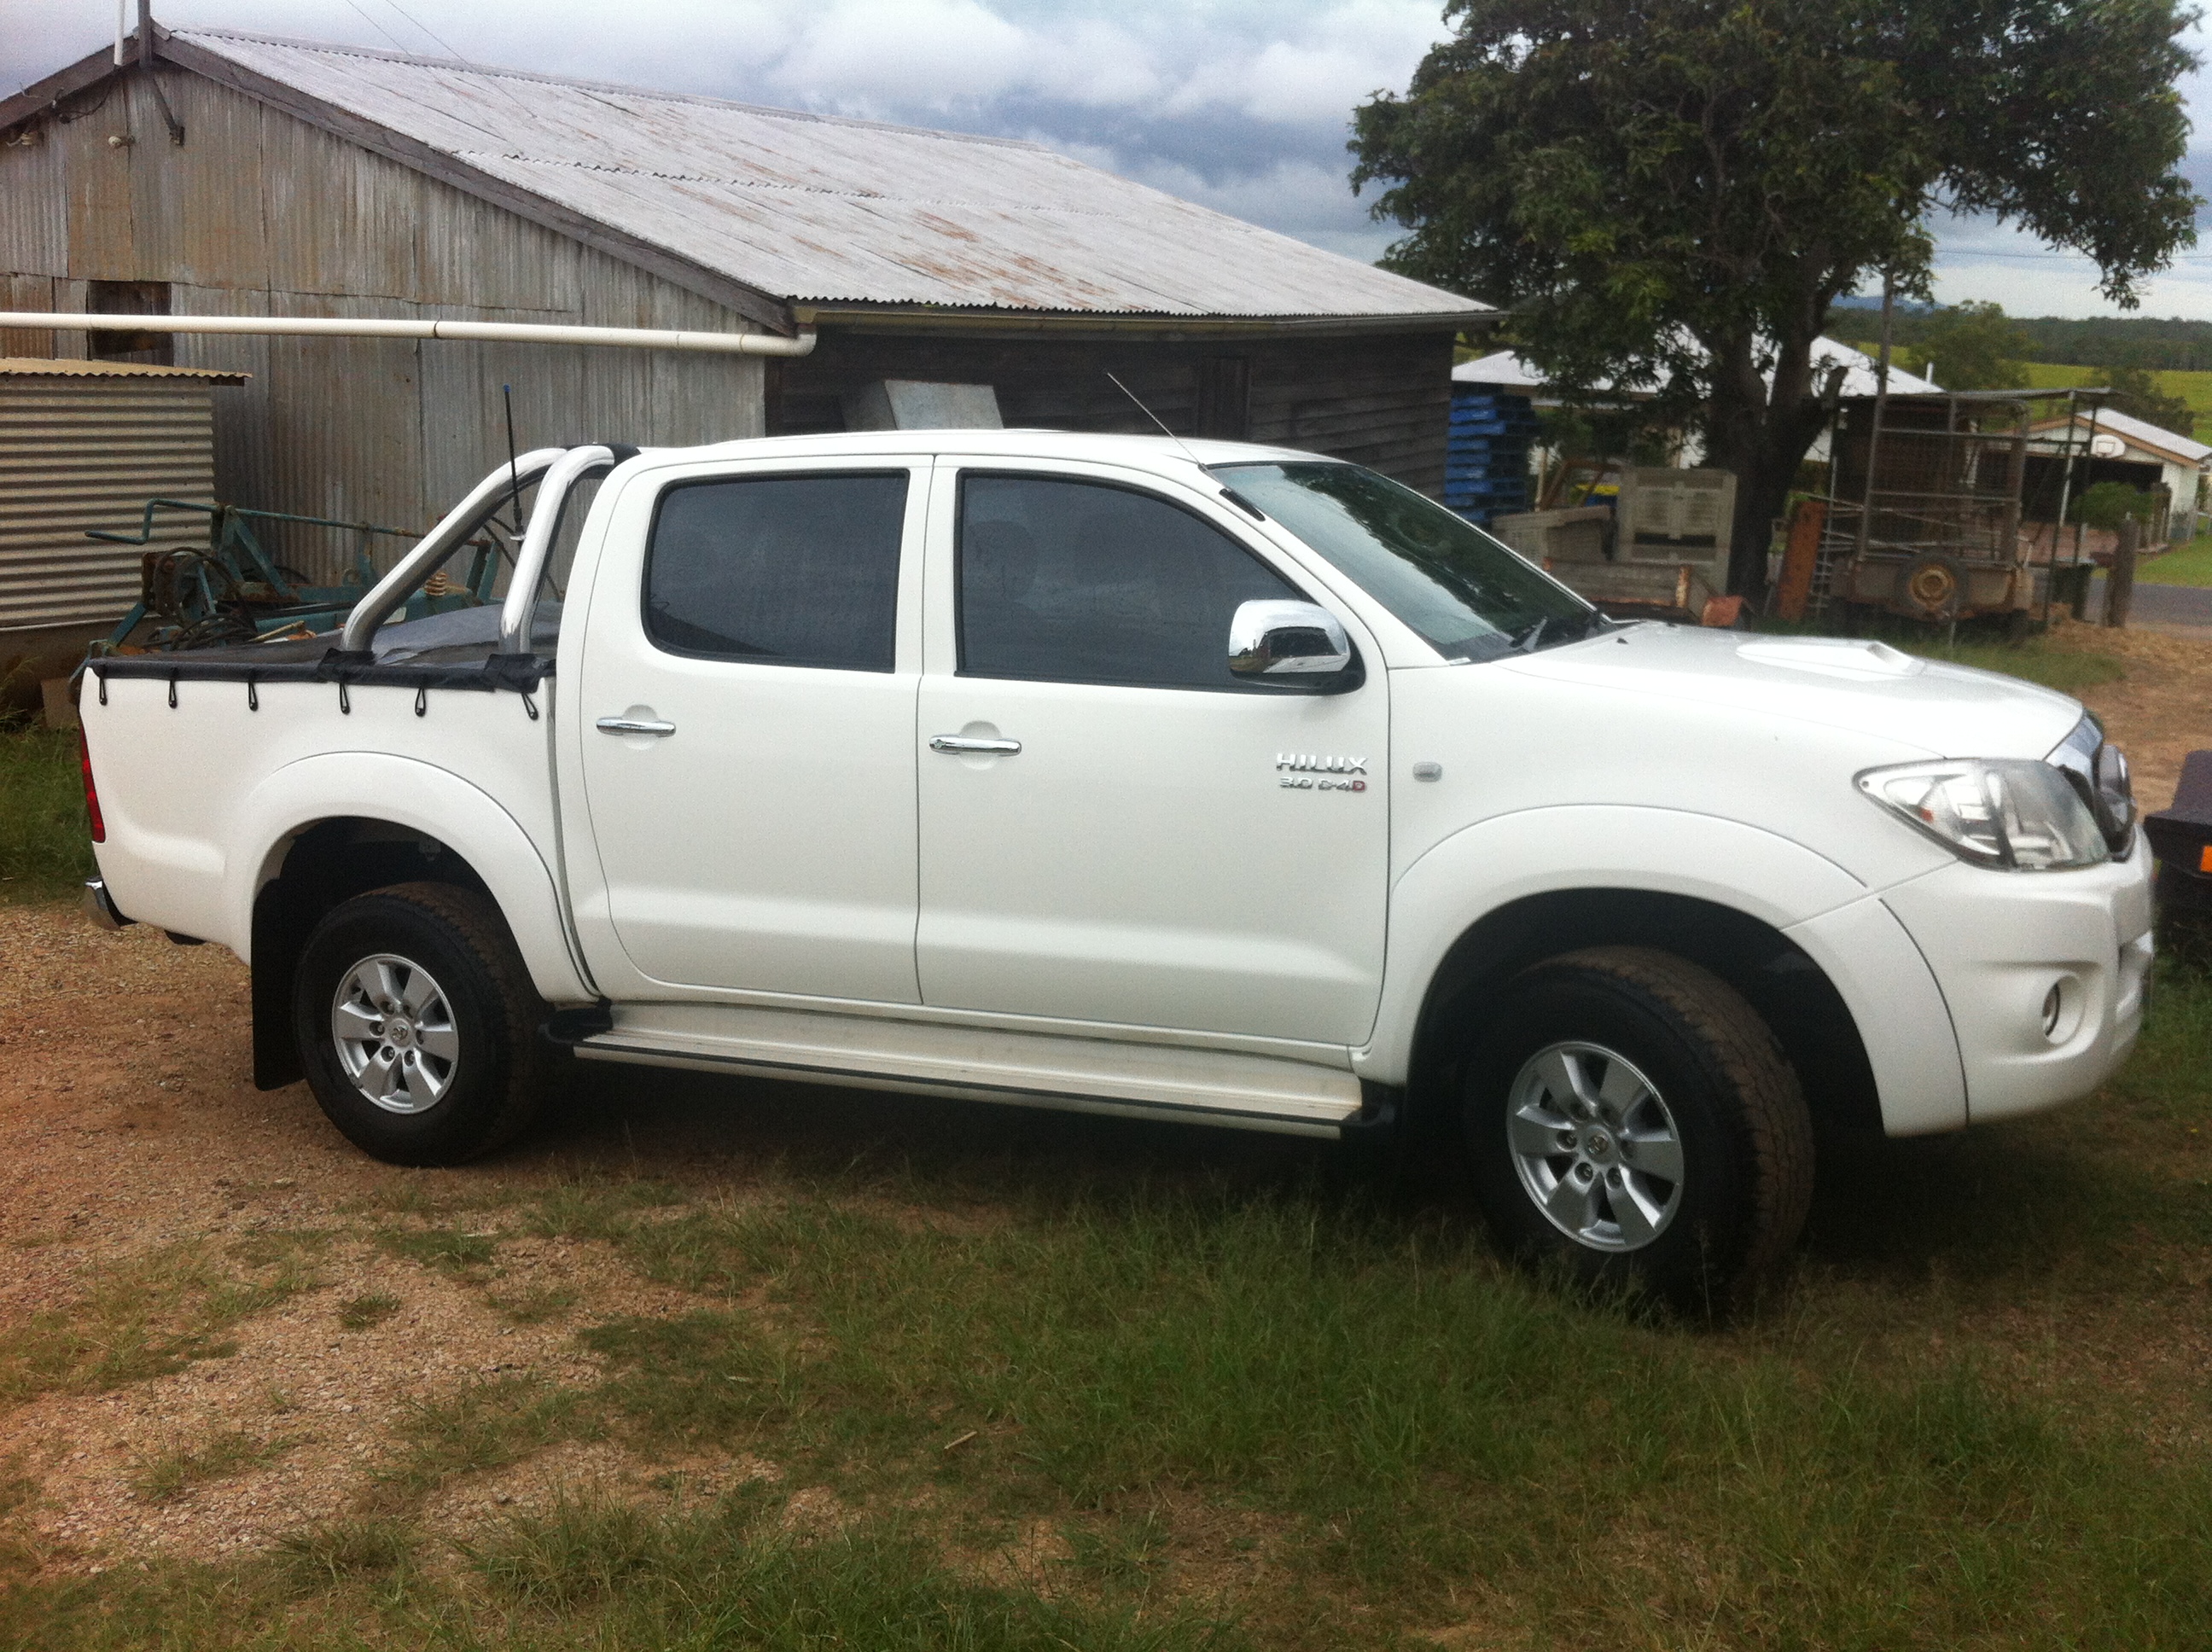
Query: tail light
{"points": [[91, 792]]}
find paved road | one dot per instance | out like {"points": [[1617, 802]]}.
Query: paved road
{"points": [[2160, 604]]}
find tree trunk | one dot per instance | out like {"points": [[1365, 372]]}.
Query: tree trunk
{"points": [[1763, 459], [2120, 583], [1759, 434]]}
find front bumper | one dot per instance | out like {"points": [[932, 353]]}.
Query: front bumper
{"points": [[1999, 942]]}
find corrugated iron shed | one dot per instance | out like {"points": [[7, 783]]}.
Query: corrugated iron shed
{"points": [[808, 209], [85, 445]]}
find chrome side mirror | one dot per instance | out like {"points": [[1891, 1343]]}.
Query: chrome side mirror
{"points": [[1298, 644]]}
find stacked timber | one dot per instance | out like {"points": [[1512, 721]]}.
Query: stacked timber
{"points": [[1487, 456]]}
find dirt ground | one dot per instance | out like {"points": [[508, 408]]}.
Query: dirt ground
{"points": [[2162, 711], [132, 1142]]}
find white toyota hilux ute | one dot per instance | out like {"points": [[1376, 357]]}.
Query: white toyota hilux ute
{"points": [[1197, 781]]}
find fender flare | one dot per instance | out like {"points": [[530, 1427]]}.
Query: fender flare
{"points": [[422, 798], [1875, 968]]}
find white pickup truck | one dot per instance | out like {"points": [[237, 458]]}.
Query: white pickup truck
{"points": [[1198, 781]]}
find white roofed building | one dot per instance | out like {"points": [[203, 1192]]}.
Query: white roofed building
{"points": [[2109, 445]]}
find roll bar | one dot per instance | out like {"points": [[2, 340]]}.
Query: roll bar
{"points": [[537, 541], [464, 519]]}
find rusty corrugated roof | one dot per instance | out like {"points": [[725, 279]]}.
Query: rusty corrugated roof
{"points": [[39, 366], [815, 209]]}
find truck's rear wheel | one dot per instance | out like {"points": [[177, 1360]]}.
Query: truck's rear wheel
{"points": [[1632, 1120], [418, 1025]]}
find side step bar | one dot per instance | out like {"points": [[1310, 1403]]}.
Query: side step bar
{"points": [[1083, 1075]]}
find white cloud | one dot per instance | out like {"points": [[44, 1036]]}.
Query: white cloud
{"points": [[1241, 105], [925, 53]]}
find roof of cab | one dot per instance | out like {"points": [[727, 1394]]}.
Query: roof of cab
{"points": [[1154, 452]]}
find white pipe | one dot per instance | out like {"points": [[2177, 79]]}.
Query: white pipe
{"points": [[487, 496], [503, 332], [514, 615], [119, 7]]}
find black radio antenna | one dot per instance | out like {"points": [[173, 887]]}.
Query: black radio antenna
{"points": [[514, 464], [1156, 419]]}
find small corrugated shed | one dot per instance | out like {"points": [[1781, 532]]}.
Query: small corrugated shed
{"points": [[85, 445]]}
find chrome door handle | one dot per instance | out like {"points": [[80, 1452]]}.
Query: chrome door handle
{"points": [[634, 725], [962, 745]]}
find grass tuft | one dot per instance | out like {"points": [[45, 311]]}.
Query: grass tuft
{"points": [[148, 1318], [450, 1250], [535, 1305], [488, 1424], [359, 1313], [175, 1472], [334, 1551], [584, 1551]]}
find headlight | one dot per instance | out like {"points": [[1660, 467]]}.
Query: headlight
{"points": [[2016, 815]]}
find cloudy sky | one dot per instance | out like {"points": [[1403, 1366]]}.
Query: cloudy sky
{"points": [[1240, 104]]}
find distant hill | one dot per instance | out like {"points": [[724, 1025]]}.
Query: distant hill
{"points": [[2171, 345]]}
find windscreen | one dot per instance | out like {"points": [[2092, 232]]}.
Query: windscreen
{"points": [[1465, 593]]}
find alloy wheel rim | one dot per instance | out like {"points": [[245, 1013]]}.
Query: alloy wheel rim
{"points": [[393, 1028], [1595, 1145]]}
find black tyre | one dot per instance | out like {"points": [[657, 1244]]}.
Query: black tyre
{"points": [[1633, 1121], [418, 1025]]}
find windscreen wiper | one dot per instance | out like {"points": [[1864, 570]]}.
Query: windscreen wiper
{"points": [[1524, 641]]}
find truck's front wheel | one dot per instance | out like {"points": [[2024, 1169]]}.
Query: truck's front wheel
{"points": [[1631, 1119], [417, 1025]]}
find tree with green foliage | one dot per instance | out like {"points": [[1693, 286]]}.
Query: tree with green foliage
{"points": [[1971, 346], [2136, 393], [2108, 504], [1671, 193]]}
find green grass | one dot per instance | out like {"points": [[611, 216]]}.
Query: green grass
{"points": [[359, 1313], [2193, 387], [45, 849], [533, 1305], [1411, 1416], [451, 1250], [172, 1473], [2068, 670], [488, 1424], [1251, 1401], [149, 1318], [2190, 564], [2035, 659], [595, 1576]]}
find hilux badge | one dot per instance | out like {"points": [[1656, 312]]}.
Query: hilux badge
{"points": [[1308, 771]]}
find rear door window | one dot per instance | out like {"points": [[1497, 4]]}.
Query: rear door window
{"points": [[1073, 581], [779, 570]]}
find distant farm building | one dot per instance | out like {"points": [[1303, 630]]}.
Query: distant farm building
{"points": [[2109, 445]]}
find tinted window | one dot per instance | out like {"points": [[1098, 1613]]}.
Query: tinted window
{"points": [[779, 570], [1079, 582]]}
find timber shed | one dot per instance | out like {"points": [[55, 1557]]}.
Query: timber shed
{"points": [[228, 175]]}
